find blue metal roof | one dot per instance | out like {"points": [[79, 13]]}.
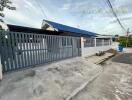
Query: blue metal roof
{"points": [[66, 28]]}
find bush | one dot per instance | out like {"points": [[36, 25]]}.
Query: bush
{"points": [[123, 41]]}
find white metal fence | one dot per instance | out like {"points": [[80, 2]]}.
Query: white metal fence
{"points": [[24, 50]]}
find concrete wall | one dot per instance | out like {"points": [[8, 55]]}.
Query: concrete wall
{"points": [[115, 45], [89, 51]]}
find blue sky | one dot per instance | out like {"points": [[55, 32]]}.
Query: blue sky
{"points": [[91, 15]]}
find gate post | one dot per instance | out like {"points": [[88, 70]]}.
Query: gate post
{"points": [[95, 41], [82, 46], [0, 55], [0, 69]]}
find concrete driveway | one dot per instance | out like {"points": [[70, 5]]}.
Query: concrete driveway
{"points": [[115, 83]]}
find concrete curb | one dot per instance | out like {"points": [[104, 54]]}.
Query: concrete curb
{"points": [[82, 86], [104, 59]]}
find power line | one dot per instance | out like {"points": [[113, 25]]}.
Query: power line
{"points": [[110, 5], [42, 10], [106, 10], [108, 13]]}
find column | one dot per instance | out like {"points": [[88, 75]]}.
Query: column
{"points": [[82, 46], [0, 69], [95, 41], [103, 42]]}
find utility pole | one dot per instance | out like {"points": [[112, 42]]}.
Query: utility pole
{"points": [[127, 36]]}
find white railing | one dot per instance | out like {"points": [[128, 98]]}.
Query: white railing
{"points": [[95, 42], [90, 46], [89, 42]]}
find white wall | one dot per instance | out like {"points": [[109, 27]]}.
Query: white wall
{"points": [[115, 45], [89, 51]]}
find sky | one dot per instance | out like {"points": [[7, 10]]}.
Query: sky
{"points": [[90, 15]]}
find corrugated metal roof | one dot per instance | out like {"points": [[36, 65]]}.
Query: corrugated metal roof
{"points": [[66, 28]]}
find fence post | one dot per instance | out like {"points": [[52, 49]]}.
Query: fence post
{"points": [[110, 42], [82, 46], [0, 56], [0, 69], [103, 42], [95, 41]]}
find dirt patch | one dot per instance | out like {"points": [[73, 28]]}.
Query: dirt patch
{"points": [[30, 73], [22, 76]]}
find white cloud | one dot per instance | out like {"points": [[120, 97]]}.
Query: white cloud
{"points": [[15, 16], [118, 3], [66, 6], [28, 13]]}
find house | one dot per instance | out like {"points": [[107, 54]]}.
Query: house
{"points": [[91, 42], [96, 44], [53, 28], [16, 28], [23, 47], [65, 30]]}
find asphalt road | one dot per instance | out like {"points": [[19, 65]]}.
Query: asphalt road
{"points": [[123, 58]]}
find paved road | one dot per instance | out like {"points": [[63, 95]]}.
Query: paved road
{"points": [[123, 58], [115, 83]]}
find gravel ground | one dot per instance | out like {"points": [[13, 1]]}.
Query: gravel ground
{"points": [[115, 83]]}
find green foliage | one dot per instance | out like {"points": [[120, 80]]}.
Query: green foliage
{"points": [[5, 4], [130, 41], [123, 41]]}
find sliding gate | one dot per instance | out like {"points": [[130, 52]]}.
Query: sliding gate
{"points": [[24, 50]]}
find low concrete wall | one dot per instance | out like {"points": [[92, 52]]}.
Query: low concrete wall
{"points": [[89, 51]]}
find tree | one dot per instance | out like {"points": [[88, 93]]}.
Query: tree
{"points": [[5, 4]]}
